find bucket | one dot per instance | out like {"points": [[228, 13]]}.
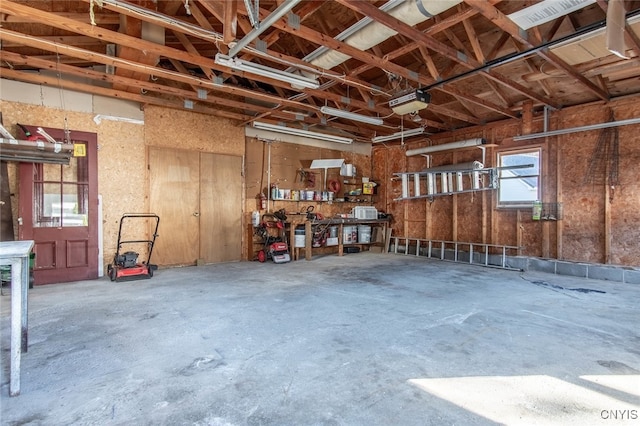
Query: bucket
{"points": [[299, 237], [350, 234], [364, 234]]}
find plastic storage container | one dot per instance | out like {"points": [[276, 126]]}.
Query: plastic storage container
{"points": [[350, 234], [299, 237], [364, 234]]}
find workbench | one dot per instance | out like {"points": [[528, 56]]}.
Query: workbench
{"points": [[16, 254], [341, 223]]}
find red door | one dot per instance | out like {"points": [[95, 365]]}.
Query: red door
{"points": [[58, 210]]}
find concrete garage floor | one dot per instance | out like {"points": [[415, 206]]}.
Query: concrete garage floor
{"points": [[366, 339]]}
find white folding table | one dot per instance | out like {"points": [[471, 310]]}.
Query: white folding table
{"points": [[16, 254]]}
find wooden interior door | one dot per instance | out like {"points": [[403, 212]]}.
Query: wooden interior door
{"points": [[59, 211], [221, 208], [198, 197], [174, 197]]}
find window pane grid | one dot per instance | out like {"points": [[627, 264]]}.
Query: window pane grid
{"points": [[519, 186], [61, 194]]}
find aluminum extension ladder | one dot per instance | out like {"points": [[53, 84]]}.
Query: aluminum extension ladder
{"points": [[480, 254], [430, 184]]}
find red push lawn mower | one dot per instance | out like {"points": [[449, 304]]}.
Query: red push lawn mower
{"points": [[125, 266]]}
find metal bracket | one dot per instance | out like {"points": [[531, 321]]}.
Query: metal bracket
{"points": [[253, 12], [484, 153]]}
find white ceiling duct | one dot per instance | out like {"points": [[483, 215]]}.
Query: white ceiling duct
{"points": [[546, 11], [373, 33]]}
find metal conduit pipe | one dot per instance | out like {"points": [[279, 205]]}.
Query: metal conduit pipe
{"points": [[471, 165], [519, 55], [447, 146]]}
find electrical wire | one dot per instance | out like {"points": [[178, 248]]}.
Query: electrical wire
{"points": [[143, 12]]}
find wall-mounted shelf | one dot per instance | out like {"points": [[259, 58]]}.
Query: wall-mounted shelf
{"points": [[547, 211], [336, 201]]}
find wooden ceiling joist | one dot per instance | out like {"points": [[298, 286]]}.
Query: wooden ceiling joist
{"points": [[507, 25], [479, 66]]}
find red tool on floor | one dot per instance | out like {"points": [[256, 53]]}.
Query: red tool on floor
{"points": [[125, 265], [275, 247]]}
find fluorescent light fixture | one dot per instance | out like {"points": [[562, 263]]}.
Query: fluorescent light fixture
{"points": [[447, 146], [351, 115], [546, 11], [300, 132], [296, 81], [99, 117], [399, 135]]}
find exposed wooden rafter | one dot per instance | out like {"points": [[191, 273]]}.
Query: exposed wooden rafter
{"points": [[477, 64]]}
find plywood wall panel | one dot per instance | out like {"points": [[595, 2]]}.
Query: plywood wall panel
{"points": [[625, 204], [441, 220], [583, 203], [287, 160], [192, 131], [505, 228], [415, 228], [469, 205], [121, 162], [122, 181], [396, 162]]}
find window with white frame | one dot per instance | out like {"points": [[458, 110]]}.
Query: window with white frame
{"points": [[519, 176]]}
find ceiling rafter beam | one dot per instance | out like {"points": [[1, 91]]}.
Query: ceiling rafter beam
{"points": [[479, 101], [230, 28], [501, 21], [493, 53], [202, 21], [217, 10], [101, 18], [528, 61], [142, 45], [428, 60], [159, 88], [439, 109], [114, 79], [405, 29], [401, 27], [525, 91], [265, 24], [305, 11], [92, 89], [158, 18], [159, 72], [75, 40], [189, 48], [323, 39], [473, 39], [481, 57]]}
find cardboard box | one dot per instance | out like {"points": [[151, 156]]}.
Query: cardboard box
{"points": [[368, 188], [332, 241]]}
